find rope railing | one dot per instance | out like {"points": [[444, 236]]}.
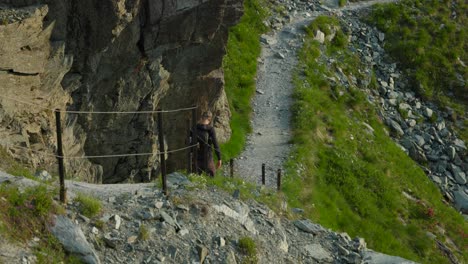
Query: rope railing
{"points": [[97, 112], [61, 156], [128, 154]]}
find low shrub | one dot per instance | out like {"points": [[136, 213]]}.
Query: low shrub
{"points": [[88, 205], [248, 247], [27, 214]]}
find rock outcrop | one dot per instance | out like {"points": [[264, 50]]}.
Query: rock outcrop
{"points": [[195, 224], [110, 55]]}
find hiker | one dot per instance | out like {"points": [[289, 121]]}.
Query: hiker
{"points": [[206, 137]]}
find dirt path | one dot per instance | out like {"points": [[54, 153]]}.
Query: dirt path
{"points": [[269, 142]]}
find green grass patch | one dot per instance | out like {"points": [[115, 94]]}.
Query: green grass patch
{"points": [[25, 215], [88, 205], [248, 247], [349, 179], [240, 68], [144, 233], [13, 167], [429, 40]]}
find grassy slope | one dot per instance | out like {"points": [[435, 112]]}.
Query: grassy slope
{"points": [[350, 180], [429, 39], [25, 215], [240, 68]]}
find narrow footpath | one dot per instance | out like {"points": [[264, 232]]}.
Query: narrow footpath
{"points": [[269, 142]]}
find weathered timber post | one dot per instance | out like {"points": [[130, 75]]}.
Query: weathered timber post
{"points": [[162, 152], [278, 180], [231, 168], [58, 122], [263, 173], [195, 139], [189, 150]]}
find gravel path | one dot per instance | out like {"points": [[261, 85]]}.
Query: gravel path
{"points": [[269, 142]]}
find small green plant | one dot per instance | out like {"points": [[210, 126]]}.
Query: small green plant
{"points": [[144, 233], [88, 206], [342, 3], [100, 224], [27, 214], [248, 247], [198, 181]]}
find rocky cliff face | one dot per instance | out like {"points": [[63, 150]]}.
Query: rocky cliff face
{"points": [[111, 55]]}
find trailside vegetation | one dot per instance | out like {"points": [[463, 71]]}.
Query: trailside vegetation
{"points": [[429, 40], [240, 68], [24, 218], [356, 181]]}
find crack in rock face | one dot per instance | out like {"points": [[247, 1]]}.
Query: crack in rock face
{"points": [[112, 55]]}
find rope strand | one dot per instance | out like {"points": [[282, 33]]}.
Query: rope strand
{"points": [[99, 112]]}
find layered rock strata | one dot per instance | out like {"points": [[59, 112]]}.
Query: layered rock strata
{"points": [[116, 56]]}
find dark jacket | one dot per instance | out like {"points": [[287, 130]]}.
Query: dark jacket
{"points": [[210, 132]]}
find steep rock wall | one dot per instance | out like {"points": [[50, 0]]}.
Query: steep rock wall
{"points": [[113, 55]]}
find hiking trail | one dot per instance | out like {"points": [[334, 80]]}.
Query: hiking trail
{"points": [[269, 141]]}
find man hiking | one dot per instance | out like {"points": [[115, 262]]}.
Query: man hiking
{"points": [[206, 137]]}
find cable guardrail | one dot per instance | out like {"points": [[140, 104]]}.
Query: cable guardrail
{"points": [[98, 112], [61, 156]]}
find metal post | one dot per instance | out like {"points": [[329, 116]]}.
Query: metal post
{"points": [[195, 140], [263, 173], [63, 192], [231, 168], [189, 151], [162, 151], [278, 180]]}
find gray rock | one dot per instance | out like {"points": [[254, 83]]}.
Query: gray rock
{"points": [[411, 122], [458, 174], [320, 36], [168, 219], [440, 125], [146, 215], [280, 55], [241, 214], [419, 140], [393, 95], [307, 226], [392, 102], [404, 106], [451, 152], [297, 210], [319, 253], [73, 240], [381, 36], [359, 243], [202, 252], [43, 175], [176, 179], [428, 112], [372, 257], [230, 258], [395, 127], [459, 143]]}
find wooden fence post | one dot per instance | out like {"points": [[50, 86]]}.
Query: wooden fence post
{"points": [[195, 139], [231, 168], [278, 180], [189, 151], [162, 151], [263, 173], [58, 122]]}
